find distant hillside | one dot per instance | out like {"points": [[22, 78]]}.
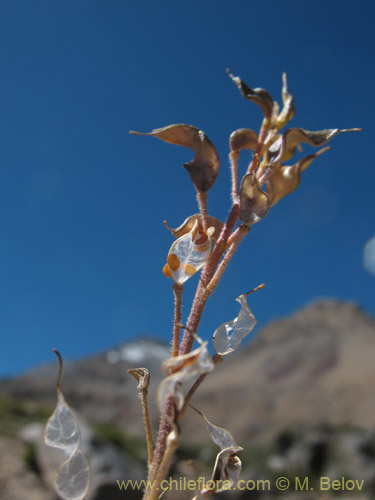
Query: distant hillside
{"points": [[300, 398], [315, 366]]}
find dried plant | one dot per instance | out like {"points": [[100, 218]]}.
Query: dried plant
{"points": [[204, 243]]}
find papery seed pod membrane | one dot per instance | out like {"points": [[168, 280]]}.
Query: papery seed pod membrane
{"points": [[229, 335], [227, 465], [259, 96], [181, 369], [227, 468], [254, 203], [189, 253], [284, 180], [72, 479], [204, 168], [243, 138]]}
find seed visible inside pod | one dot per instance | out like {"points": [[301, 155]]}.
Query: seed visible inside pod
{"points": [[173, 261], [167, 271], [189, 269]]}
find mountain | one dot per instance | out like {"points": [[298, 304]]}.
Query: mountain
{"points": [[299, 398]]}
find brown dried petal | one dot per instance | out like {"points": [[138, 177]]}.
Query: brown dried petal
{"points": [[259, 96], [204, 168], [254, 203], [189, 222], [243, 138], [284, 148], [142, 375]]}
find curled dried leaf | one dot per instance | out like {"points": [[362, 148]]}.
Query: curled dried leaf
{"points": [[142, 375], [259, 96], [229, 335], [243, 138], [285, 146], [189, 253], [284, 180], [204, 168], [72, 479], [254, 203], [189, 222]]}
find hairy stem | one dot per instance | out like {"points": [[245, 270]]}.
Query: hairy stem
{"points": [[233, 158], [171, 445], [208, 271], [177, 291], [202, 203], [240, 233], [164, 430], [146, 420]]}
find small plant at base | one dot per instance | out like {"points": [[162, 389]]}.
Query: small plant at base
{"points": [[205, 243]]}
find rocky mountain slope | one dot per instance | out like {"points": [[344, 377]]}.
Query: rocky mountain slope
{"points": [[300, 398]]}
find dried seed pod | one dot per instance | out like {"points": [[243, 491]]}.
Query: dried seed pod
{"points": [[259, 96], [72, 479], [189, 222], [229, 335], [288, 110], [254, 203], [285, 146], [243, 138], [204, 168], [284, 180], [227, 466], [182, 369], [188, 254]]}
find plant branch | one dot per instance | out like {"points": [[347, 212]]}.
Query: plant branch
{"points": [[233, 158], [239, 235], [202, 203], [171, 445], [208, 271], [177, 291], [217, 359]]}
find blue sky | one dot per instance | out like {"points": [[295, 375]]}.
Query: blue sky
{"points": [[82, 202]]}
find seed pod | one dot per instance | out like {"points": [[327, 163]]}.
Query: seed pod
{"points": [[259, 96], [285, 146], [243, 138], [284, 180], [254, 203], [188, 254], [204, 168]]}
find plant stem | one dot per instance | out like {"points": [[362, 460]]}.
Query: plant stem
{"points": [[240, 233], [259, 150], [146, 419], [171, 445], [217, 359], [233, 158], [164, 430], [177, 291], [202, 203], [208, 271]]}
